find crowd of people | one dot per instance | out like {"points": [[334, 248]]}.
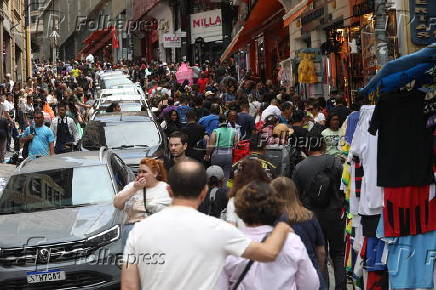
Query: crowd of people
{"points": [[219, 131]]}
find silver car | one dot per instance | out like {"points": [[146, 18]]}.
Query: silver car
{"points": [[58, 227]]}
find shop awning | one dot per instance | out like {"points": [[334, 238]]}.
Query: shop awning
{"points": [[141, 7], [263, 11], [295, 12], [95, 36], [96, 40], [232, 46]]}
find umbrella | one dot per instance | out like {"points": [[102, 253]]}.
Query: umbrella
{"points": [[405, 64]]}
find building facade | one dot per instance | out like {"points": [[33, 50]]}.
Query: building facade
{"points": [[12, 37], [338, 39]]}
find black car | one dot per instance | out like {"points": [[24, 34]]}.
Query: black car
{"points": [[131, 135]]}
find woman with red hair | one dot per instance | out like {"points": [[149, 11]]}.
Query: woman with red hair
{"points": [[151, 181]]}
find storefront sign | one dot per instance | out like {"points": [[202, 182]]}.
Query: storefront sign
{"points": [[171, 40], [207, 25], [312, 15], [363, 8], [423, 21]]}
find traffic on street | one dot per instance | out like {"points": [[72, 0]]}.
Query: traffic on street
{"points": [[261, 145]]}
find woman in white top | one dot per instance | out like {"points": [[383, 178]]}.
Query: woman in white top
{"points": [[318, 116], [152, 176], [260, 207], [247, 170]]}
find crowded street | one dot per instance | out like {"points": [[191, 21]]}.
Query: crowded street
{"points": [[199, 145]]}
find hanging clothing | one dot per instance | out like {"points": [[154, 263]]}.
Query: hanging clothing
{"points": [[409, 210], [410, 263], [306, 69], [404, 155], [365, 147], [352, 121]]}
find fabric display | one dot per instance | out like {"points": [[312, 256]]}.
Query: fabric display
{"points": [[365, 146], [388, 180], [408, 210], [392, 164], [404, 142], [410, 259]]}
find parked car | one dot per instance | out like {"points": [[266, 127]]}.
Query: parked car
{"points": [[58, 227], [131, 135], [128, 103], [113, 81]]}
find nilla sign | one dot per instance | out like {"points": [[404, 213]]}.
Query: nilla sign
{"points": [[207, 25], [172, 40], [206, 22]]}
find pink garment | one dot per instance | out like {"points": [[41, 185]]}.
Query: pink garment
{"points": [[184, 73], [291, 270]]}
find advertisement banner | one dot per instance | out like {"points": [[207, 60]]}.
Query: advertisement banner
{"points": [[207, 25], [171, 40]]}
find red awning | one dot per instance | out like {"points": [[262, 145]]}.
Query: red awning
{"points": [[94, 36], [295, 12], [96, 40], [141, 7], [263, 11]]}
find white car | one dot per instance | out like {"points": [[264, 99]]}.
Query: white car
{"points": [[132, 102], [123, 90]]}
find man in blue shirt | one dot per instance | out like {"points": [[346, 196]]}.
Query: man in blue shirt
{"points": [[211, 122], [41, 137], [182, 110]]}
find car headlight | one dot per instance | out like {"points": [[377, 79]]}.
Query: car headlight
{"points": [[104, 238]]}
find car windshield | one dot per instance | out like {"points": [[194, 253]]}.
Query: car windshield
{"points": [[131, 133], [112, 82], [54, 189]]}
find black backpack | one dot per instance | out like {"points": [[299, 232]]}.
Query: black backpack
{"points": [[323, 185]]}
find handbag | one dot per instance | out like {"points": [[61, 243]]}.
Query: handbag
{"points": [[241, 150], [247, 268]]}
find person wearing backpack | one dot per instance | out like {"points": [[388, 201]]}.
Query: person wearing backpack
{"points": [[318, 179], [216, 199]]}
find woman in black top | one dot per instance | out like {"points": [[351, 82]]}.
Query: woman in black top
{"points": [[171, 123]]}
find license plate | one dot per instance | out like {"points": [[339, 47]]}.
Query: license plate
{"points": [[45, 276]]}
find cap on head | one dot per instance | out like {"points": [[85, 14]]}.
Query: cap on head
{"points": [[215, 171]]}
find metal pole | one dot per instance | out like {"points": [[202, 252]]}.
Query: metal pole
{"points": [[28, 41], [380, 32], [1, 49]]}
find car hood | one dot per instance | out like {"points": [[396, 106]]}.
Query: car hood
{"points": [[132, 156], [52, 226]]}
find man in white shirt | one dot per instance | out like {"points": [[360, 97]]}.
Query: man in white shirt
{"points": [[180, 248], [272, 109], [10, 82], [90, 58], [8, 103]]}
